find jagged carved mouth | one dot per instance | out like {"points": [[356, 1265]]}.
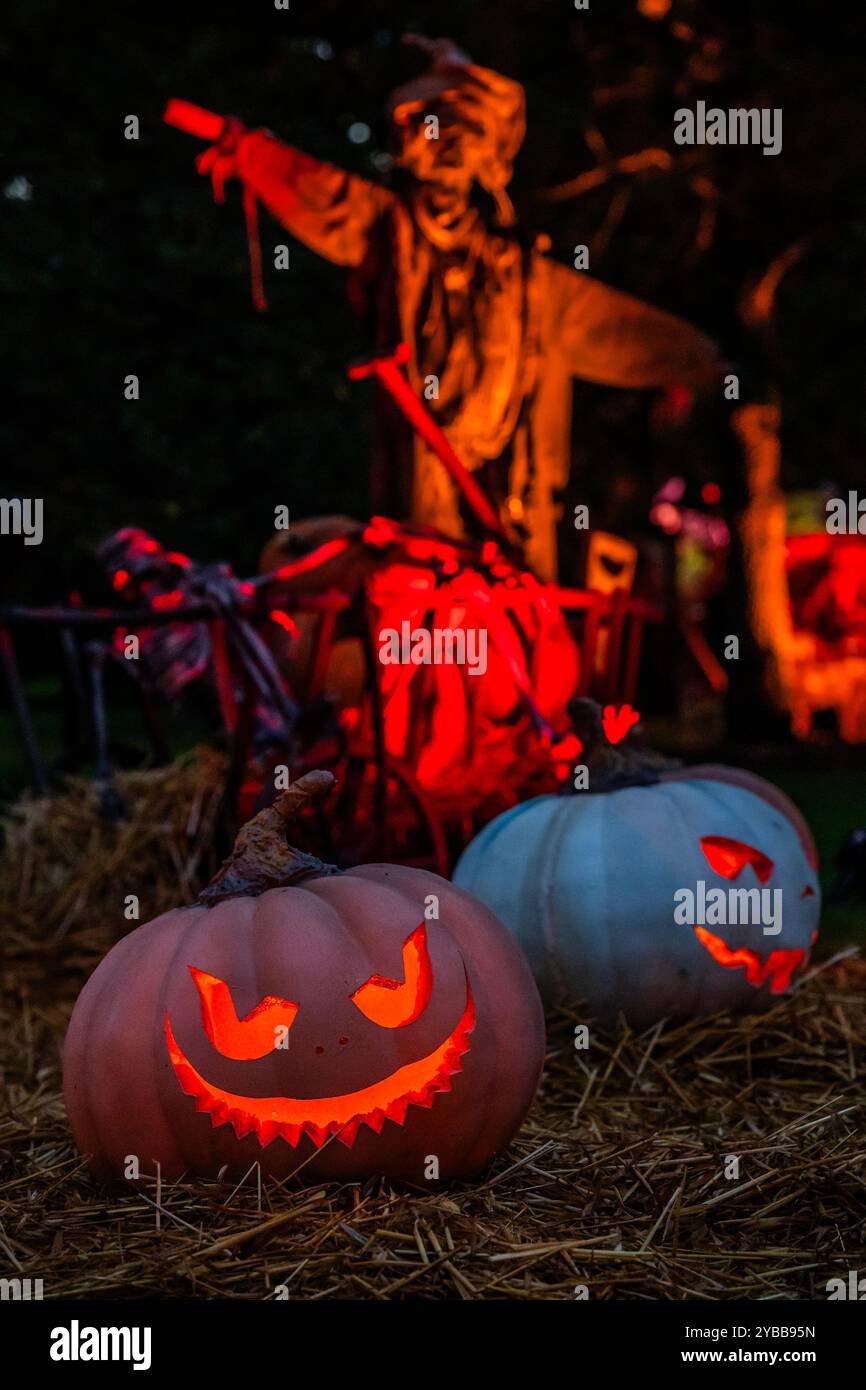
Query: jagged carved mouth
{"points": [[777, 968], [288, 1118]]}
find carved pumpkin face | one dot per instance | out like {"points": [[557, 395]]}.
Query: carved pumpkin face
{"points": [[728, 859], [647, 900], [385, 1002], [329, 1025]]}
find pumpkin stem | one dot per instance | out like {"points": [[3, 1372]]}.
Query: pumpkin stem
{"points": [[612, 766], [261, 858]]}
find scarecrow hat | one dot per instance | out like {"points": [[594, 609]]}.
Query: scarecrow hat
{"points": [[484, 101]]}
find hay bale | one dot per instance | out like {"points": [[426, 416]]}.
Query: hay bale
{"points": [[66, 869]]}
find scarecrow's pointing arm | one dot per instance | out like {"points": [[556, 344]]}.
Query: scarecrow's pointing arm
{"points": [[329, 210], [324, 207]]}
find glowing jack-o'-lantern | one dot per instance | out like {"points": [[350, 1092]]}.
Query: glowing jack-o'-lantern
{"points": [[355, 1024], [658, 891]]}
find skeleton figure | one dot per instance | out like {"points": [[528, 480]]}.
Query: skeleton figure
{"points": [[497, 331]]}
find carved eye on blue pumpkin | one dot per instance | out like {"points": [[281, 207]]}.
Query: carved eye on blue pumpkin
{"points": [[730, 857]]}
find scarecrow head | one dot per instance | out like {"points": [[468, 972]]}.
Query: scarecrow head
{"points": [[458, 124]]}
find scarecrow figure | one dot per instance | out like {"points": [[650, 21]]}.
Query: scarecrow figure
{"points": [[497, 331]]}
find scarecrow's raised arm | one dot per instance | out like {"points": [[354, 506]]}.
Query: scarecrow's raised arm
{"points": [[324, 207], [616, 340]]}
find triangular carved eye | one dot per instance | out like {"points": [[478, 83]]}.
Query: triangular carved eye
{"points": [[242, 1039], [730, 857], [394, 1003]]}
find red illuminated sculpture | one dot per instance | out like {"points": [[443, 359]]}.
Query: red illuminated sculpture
{"points": [[374, 1022], [444, 721]]}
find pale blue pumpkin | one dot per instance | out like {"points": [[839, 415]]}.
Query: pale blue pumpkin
{"points": [[596, 889]]}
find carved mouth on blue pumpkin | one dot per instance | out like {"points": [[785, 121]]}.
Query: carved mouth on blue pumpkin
{"points": [[287, 1118], [777, 967]]}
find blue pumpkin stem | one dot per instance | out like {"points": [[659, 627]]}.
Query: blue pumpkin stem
{"points": [[612, 767]]}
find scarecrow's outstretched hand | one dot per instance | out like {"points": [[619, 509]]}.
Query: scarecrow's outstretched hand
{"points": [[443, 53], [220, 160]]}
